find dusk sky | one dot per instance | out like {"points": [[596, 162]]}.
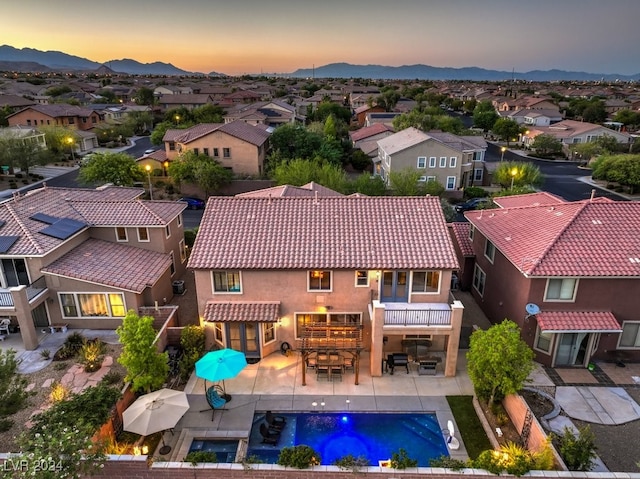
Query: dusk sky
{"points": [[279, 36]]}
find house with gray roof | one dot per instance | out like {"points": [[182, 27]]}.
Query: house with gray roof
{"points": [[319, 272], [454, 161], [81, 258]]}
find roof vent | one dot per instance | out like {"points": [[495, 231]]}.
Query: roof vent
{"points": [[596, 222], [634, 260]]}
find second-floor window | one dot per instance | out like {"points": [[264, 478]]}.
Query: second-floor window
{"points": [[226, 282], [422, 162], [471, 232], [443, 162], [479, 279], [425, 282], [432, 162], [561, 289], [143, 234], [319, 280], [226, 152], [362, 277], [489, 250], [630, 337], [452, 162], [216, 153], [121, 234]]}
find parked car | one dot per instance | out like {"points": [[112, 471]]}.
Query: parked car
{"points": [[149, 151], [193, 203], [472, 204]]}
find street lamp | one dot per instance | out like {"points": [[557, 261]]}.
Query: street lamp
{"points": [[514, 172], [166, 168], [503, 149], [148, 168], [177, 119], [70, 141]]}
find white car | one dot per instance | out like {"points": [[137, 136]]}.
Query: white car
{"points": [[149, 151]]}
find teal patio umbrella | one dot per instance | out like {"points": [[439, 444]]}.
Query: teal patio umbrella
{"points": [[220, 365]]}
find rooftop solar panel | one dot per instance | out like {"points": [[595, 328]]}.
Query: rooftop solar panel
{"points": [[42, 218], [6, 242], [2, 223], [63, 228]]}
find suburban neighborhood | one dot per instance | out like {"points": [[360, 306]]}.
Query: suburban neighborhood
{"points": [[356, 245]]}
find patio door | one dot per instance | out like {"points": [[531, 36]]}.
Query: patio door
{"points": [[395, 287], [39, 316], [244, 337], [572, 349]]}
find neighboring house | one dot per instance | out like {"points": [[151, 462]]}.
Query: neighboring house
{"points": [[375, 132], [454, 161], [572, 132], [386, 117], [565, 272], [350, 273], [191, 101], [238, 146], [311, 189], [270, 113], [25, 134], [82, 258], [161, 90], [59, 114], [534, 117], [361, 113], [14, 102]]}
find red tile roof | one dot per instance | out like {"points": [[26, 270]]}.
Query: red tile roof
{"points": [[238, 129], [573, 321], [261, 312], [368, 131], [531, 199], [308, 190], [111, 264], [129, 213], [597, 238], [331, 232], [460, 233]]}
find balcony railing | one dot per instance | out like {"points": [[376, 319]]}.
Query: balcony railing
{"points": [[35, 288], [417, 317], [6, 299]]}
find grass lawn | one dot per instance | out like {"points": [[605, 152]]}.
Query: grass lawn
{"points": [[470, 427]]}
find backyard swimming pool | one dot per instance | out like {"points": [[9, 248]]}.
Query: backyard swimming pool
{"points": [[225, 450], [375, 436]]}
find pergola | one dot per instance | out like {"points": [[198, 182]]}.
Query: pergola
{"points": [[324, 338]]}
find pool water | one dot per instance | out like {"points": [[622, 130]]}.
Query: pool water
{"points": [[375, 436], [225, 450]]}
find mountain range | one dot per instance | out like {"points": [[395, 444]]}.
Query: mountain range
{"points": [[31, 60]]}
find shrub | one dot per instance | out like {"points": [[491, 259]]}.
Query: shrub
{"points": [[64, 353], [58, 392], [401, 460], [511, 458], [91, 354], [578, 451], [5, 424], [447, 462], [13, 394], [75, 341], [45, 354], [475, 192], [352, 463], [196, 457], [192, 341], [112, 378], [300, 457]]}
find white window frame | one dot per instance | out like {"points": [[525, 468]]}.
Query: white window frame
{"points": [[268, 328], [637, 340], [536, 342], [453, 161], [560, 300], [443, 162], [478, 174], [179, 220], [472, 231], [431, 178], [449, 180], [422, 162], [218, 333], [139, 229], [479, 279], [226, 272], [320, 289], [489, 251], [426, 272], [167, 231], [126, 234], [432, 161], [78, 305], [422, 179], [183, 251], [173, 263], [359, 278]]}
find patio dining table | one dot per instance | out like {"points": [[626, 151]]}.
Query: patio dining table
{"points": [[330, 362]]}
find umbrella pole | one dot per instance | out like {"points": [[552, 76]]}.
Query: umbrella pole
{"points": [[165, 449], [227, 397]]}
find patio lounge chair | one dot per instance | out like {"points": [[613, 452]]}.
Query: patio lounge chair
{"points": [[4, 325], [275, 422], [215, 399], [269, 436]]}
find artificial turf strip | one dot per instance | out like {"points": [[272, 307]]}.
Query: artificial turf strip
{"points": [[470, 427]]}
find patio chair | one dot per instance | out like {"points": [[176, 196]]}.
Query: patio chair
{"points": [[215, 399], [4, 325], [268, 436], [336, 372], [322, 371], [275, 422]]}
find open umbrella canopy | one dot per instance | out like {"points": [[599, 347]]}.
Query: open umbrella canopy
{"points": [[156, 411], [220, 365]]}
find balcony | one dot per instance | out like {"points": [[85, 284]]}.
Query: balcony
{"points": [[33, 290], [417, 314], [36, 288]]}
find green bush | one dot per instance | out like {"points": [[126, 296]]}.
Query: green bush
{"points": [[448, 463], [401, 460], [13, 394], [91, 354], [192, 341], [471, 192], [511, 458], [196, 457], [300, 457], [352, 463], [578, 451], [112, 378]]}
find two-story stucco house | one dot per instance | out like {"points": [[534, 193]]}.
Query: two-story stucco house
{"points": [[451, 160], [566, 273], [348, 273], [81, 258], [238, 146]]}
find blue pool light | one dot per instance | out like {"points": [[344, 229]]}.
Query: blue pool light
{"points": [[345, 419]]}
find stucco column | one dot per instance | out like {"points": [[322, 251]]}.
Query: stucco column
{"points": [[23, 315], [457, 308], [377, 333]]}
